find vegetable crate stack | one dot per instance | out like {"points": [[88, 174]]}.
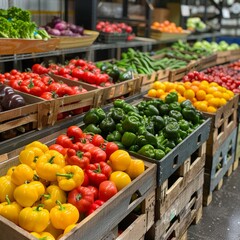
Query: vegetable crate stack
{"points": [[57, 190], [221, 147]]}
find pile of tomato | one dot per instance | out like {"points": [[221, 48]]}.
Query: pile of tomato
{"points": [[39, 85], [68, 180], [76, 69]]}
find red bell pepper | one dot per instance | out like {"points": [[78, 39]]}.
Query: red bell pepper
{"points": [[75, 133], [97, 140], [110, 148], [85, 181], [95, 206], [98, 155], [82, 198], [78, 158], [58, 148], [94, 190], [98, 172], [64, 141], [107, 189]]}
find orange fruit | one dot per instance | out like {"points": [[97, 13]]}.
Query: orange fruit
{"points": [[231, 94], [159, 93], [213, 84], [152, 93], [196, 83], [158, 85], [212, 89], [205, 82], [202, 106], [222, 101], [200, 95], [217, 94], [203, 87], [211, 109], [170, 86], [187, 85], [181, 99], [163, 96], [180, 89], [208, 96], [189, 94], [214, 102], [226, 96], [194, 88]]}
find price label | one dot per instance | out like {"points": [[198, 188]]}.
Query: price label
{"points": [[226, 13], [185, 10]]}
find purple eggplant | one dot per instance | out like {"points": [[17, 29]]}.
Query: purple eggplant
{"points": [[5, 90], [12, 100]]}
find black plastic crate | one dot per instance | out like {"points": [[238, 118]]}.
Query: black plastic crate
{"points": [[112, 37]]}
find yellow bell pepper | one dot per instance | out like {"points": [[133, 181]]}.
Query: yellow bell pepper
{"points": [[51, 229], [39, 187], [52, 194], [7, 188], [69, 228], [135, 168], [64, 215], [121, 179], [49, 164], [119, 160], [10, 170], [70, 177], [30, 156], [34, 219], [43, 236], [38, 144], [21, 174], [26, 195], [10, 210]]}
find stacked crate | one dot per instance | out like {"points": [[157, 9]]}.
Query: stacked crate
{"points": [[221, 147]]}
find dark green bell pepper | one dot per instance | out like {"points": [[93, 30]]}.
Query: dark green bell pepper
{"points": [[92, 128], [176, 114], [151, 139], [159, 154], [170, 143], [155, 102], [183, 134], [128, 139], [147, 150], [131, 124], [107, 125], [113, 72], [175, 106], [91, 117], [158, 123], [134, 148], [127, 75], [120, 145], [171, 130], [141, 140], [186, 103], [184, 125], [114, 136], [129, 108], [136, 115], [119, 128], [171, 97], [118, 103], [117, 114], [190, 114], [151, 110], [164, 109], [142, 105], [168, 119], [141, 130], [150, 127]]}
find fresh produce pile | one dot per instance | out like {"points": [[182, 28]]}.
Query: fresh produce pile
{"points": [[151, 128], [9, 99], [42, 86], [196, 24], [68, 180], [205, 96], [108, 27], [195, 49], [215, 47], [142, 63], [166, 26], [58, 27], [77, 70], [16, 23], [225, 77]]}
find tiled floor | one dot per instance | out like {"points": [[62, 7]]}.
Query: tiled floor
{"points": [[221, 219]]}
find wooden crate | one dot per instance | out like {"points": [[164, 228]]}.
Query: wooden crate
{"points": [[208, 61], [111, 213], [135, 226], [223, 57], [186, 209], [218, 134], [237, 157], [169, 191], [234, 55], [74, 42], [33, 113], [9, 46], [219, 165]]}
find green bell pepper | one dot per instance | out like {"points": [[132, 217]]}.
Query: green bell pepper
{"points": [[119, 128], [170, 143], [147, 150], [175, 106], [131, 124], [129, 139], [92, 128], [175, 114], [164, 109], [107, 125], [171, 130], [151, 139], [158, 123], [141, 130], [113, 72], [118, 103], [151, 110], [183, 134], [142, 105], [168, 119], [171, 97], [186, 103], [134, 148], [129, 108], [159, 154], [120, 145], [136, 115], [126, 76], [91, 117], [114, 136], [117, 114], [150, 127], [141, 140], [190, 114], [155, 102], [184, 125]]}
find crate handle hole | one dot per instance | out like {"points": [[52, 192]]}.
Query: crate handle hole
{"points": [[175, 161], [134, 199], [199, 139], [221, 117]]}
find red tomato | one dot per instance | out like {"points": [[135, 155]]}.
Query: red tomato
{"points": [[97, 140], [107, 189], [75, 133], [111, 147], [94, 190]]}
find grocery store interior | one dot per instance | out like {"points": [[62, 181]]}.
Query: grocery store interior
{"points": [[119, 120]]}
